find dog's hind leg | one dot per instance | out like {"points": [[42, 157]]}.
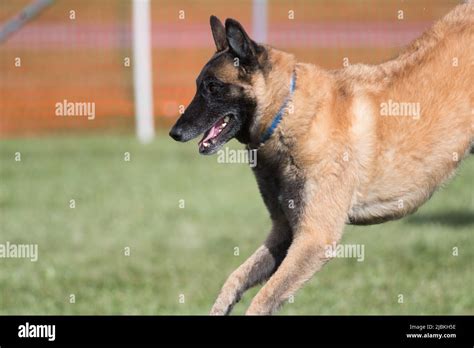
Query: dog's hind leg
{"points": [[256, 269]]}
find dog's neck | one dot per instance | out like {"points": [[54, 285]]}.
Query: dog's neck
{"points": [[271, 90]]}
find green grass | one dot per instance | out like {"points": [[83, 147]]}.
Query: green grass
{"points": [[190, 251]]}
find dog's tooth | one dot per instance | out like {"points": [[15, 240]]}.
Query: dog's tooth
{"points": [[226, 119], [224, 124], [213, 141]]}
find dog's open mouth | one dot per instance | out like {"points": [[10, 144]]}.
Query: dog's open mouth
{"points": [[212, 138]]}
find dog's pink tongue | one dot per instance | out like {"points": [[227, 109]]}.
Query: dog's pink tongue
{"points": [[212, 133]]}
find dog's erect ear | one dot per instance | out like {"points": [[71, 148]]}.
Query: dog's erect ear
{"points": [[240, 43], [218, 33]]}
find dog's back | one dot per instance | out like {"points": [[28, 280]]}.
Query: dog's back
{"points": [[412, 119]]}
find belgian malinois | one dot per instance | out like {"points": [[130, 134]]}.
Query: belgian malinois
{"points": [[360, 145]]}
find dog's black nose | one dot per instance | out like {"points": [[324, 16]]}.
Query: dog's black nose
{"points": [[176, 134]]}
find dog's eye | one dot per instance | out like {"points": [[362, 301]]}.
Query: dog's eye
{"points": [[212, 87]]}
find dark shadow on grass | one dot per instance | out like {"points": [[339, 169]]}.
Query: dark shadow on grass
{"points": [[455, 219]]}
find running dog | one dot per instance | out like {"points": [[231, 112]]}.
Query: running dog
{"points": [[360, 145]]}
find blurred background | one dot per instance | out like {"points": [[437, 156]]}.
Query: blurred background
{"points": [[156, 228], [82, 59]]}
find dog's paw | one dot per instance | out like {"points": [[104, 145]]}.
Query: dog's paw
{"points": [[223, 305], [220, 309]]}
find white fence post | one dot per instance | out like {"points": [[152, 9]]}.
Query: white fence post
{"points": [[142, 70]]}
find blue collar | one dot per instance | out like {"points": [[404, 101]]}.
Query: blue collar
{"points": [[277, 119]]}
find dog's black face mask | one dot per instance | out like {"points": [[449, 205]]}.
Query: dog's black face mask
{"points": [[224, 103]]}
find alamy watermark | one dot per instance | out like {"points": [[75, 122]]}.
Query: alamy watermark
{"points": [[227, 155], [394, 108], [356, 251], [21, 251], [28, 330], [83, 109]]}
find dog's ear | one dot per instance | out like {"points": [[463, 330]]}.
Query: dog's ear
{"points": [[218, 33], [239, 42]]}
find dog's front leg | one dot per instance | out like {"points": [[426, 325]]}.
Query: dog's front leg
{"points": [[320, 224], [256, 269]]}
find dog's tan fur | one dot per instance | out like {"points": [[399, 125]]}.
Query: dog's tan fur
{"points": [[358, 165]]}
